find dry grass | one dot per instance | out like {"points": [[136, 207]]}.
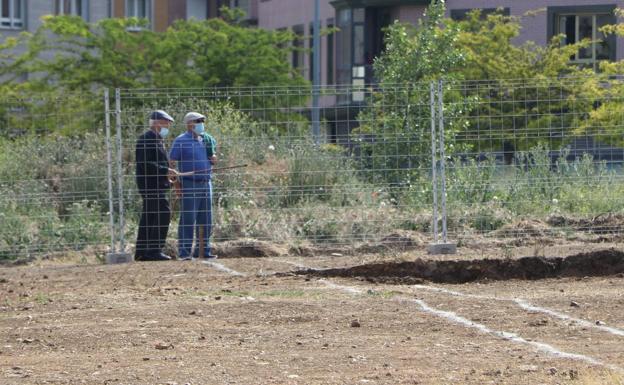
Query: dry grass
{"points": [[602, 378]]}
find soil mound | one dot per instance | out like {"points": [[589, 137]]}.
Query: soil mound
{"points": [[598, 263], [524, 229], [240, 248], [248, 248], [400, 240], [600, 224]]}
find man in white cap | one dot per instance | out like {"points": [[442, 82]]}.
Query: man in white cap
{"points": [[194, 154], [152, 171]]}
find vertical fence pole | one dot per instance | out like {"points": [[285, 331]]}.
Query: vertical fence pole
{"points": [[109, 164], [122, 225], [442, 156], [316, 76], [434, 181]]}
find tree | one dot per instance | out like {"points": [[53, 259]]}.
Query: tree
{"points": [[68, 55], [395, 128], [606, 93], [123, 53], [516, 96], [497, 94]]}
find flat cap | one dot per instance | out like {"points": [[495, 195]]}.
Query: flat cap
{"points": [[193, 116], [160, 115]]}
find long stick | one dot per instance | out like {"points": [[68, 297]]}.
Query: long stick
{"points": [[191, 173]]}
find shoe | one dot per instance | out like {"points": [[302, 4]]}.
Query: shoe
{"points": [[187, 258], [154, 257]]}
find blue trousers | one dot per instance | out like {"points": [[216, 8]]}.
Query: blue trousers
{"points": [[196, 211]]}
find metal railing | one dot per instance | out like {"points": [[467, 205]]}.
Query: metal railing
{"points": [[418, 163]]}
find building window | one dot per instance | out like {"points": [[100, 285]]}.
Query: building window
{"points": [[330, 52], [298, 49], [576, 24], [71, 7], [462, 14], [12, 14], [351, 53], [343, 51], [139, 8], [244, 5], [214, 7], [197, 9]]}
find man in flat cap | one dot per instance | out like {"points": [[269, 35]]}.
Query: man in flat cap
{"points": [[152, 177], [194, 153]]}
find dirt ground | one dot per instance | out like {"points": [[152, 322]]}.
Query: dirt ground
{"points": [[235, 322]]}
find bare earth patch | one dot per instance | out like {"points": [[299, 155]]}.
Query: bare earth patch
{"points": [[194, 323], [597, 263]]}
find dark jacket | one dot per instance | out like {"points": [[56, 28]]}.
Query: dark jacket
{"points": [[152, 164]]}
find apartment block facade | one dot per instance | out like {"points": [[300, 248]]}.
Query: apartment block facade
{"points": [[347, 55], [361, 24], [25, 15]]}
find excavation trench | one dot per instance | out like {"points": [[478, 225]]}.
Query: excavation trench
{"points": [[597, 263]]}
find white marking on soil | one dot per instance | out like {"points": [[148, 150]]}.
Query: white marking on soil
{"points": [[225, 269], [349, 289], [527, 306], [540, 346], [518, 301], [295, 264], [454, 318]]}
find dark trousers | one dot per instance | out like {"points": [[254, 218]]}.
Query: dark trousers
{"points": [[154, 224]]}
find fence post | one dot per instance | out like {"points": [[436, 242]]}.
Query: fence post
{"points": [[442, 157], [438, 155], [122, 225], [109, 164], [117, 255], [316, 76], [434, 181]]}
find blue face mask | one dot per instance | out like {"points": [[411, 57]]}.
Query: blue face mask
{"points": [[199, 128], [164, 132]]}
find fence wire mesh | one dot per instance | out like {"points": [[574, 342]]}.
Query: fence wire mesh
{"points": [[53, 176], [535, 158], [354, 189], [522, 159]]}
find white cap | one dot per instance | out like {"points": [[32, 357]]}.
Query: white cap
{"points": [[192, 116]]}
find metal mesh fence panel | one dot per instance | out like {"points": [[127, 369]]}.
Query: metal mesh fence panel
{"points": [[535, 159], [54, 197], [509, 159], [368, 180]]}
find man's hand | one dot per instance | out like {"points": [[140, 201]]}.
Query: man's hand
{"points": [[213, 160], [172, 174]]}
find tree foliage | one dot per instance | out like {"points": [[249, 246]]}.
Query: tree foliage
{"points": [[191, 53], [69, 56], [497, 93], [395, 130]]}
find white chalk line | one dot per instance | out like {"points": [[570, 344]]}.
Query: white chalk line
{"points": [[224, 269], [529, 307], [348, 289], [525, 305], [295, 264], [519, 302], [454, 318]]}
